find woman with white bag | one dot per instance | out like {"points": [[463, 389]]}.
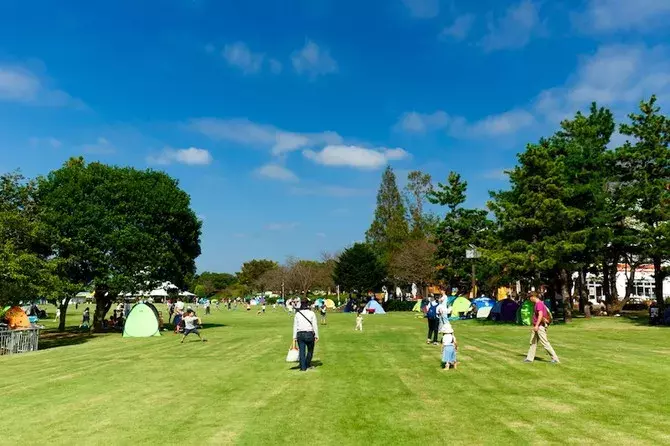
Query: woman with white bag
{"points": [[305, 333]]}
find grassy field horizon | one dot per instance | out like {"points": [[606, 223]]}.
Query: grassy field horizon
{"points": [[381, 386]]}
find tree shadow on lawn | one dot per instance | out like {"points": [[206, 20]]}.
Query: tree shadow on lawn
{"points": [[53, 338], [638, 318]]}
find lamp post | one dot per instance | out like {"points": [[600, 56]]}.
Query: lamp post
{"points": [[473, 253]]}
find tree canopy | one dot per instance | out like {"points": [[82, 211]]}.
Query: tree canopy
{"points": [[118, 229], [359, 270]]}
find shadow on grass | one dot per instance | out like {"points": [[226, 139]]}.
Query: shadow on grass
{"points": [[315, 364], [53, 338]]}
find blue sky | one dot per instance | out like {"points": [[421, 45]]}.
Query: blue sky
{"points": [[278, 116]]}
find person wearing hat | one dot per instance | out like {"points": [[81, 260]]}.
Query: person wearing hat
{"points": [[449, 348]]}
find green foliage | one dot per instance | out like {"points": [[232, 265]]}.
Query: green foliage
{"points": [[212, 283], [459, 230], [389, 228], [118, 229], [359, 270], [399, 305], [254, 269], [418, 188], [25, 271]]}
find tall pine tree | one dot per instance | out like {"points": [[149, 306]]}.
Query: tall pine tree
{"points": [[389, 228]]}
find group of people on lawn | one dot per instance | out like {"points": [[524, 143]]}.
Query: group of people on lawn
{"points": [[306, 331]]}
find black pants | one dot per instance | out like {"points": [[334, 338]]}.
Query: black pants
{"points": [[306, 347], [433, 326]]}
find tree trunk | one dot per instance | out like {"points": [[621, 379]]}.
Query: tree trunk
{"points": [[62, 306], [102, 305], [609, 284], [658, 284], [565, 292], [583, 294], [630, 287]]}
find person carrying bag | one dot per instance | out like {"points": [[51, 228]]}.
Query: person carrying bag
{"points": [[305, 334]]}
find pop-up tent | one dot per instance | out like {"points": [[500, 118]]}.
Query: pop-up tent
{"points": [[417, 307], [142, 322], [460, 307], [373, 307], [525, 313], [329, 304], [319, 302], [17, 318], [349, 307], [484, 306]]}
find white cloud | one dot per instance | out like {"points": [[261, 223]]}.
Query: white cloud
{"points": [[191, 157], [281, 226], [48, 141], [276, 172], [21, 85], [275, 66], [247, 133], [101, 146], [515, 28], [617, 76], [461, 27], [495, 174], [623, 15], [423, 9], [313, 60], [239, 55], [329, 191], [355, 156], [494, 125], [413, 122]]}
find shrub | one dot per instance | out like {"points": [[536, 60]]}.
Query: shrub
{"points": [[398, 305]]}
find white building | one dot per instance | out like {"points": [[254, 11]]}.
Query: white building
{"points": [[644, 287]]}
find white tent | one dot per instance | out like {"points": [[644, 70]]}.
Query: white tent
{"points": [[186, 294], [158, 292]]}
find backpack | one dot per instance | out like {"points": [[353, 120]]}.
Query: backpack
{"points": [[547, 318], [432, 311]]}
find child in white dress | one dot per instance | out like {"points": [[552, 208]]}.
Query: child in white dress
{"points": [[449, 348]]}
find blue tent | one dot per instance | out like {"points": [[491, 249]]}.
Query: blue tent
{"points": [[374, 307], [484, 302], [349, 307], [319, 302]]}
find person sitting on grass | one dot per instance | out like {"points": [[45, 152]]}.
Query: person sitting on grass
{"points": [[191, 323], [449, 348]]}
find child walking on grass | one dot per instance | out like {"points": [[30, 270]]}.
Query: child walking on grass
{"points": [[449, 348], [359, 321]]}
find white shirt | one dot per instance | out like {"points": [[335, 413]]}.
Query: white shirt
{"points": [[448, 339], [301, 322], [189, 322]]}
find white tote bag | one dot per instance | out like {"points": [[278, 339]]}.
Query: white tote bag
{"points": [[293, 354]]}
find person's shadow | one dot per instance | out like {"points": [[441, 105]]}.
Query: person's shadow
{"points": [[315, 364]]}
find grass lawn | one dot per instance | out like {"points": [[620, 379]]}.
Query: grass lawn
{"points": [[383, 386]]}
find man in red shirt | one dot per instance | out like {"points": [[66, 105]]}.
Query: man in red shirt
{"points": [[539, 331]]}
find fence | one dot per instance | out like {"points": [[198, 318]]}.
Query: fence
{"points": [[19, 341]]}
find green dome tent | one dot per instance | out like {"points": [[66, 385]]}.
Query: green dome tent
{"points": [[142, 322], [461, 305], [524, 315], [417, 307]]}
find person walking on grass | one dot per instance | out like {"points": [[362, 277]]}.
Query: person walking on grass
{"points": [[449, 348], [359, 320], [541, 320], [323, 312], [191, 322], [85, 318], [433, 321], [305, 333]]}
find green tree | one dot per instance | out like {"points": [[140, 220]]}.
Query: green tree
{"points": [[643, 168], [358, 270], [419, 185], [118, 229], [212, 283], [24, 269], [389, 228], [460, 229], [252, 271]]}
